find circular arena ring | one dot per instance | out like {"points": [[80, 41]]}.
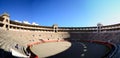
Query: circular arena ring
{"points": [[70, 49]]}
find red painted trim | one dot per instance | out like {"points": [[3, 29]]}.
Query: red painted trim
{"points": [[40, 42]]}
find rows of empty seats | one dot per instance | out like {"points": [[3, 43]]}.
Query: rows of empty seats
{"points": [[7, 43], [10, 38], [31, 36], [113, 37]]}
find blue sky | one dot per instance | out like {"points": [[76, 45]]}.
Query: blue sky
{"points": [[73, 13]]}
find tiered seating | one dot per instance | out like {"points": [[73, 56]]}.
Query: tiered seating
{"points": [[7, 42], [9, 38], [2, 43], [7, 45]]}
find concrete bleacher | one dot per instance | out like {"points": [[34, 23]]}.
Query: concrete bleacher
{"points": [[31, 36], [7, 45], [113, 37], [7, 42], [9, 38]]}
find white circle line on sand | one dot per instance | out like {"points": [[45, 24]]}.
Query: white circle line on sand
{"points": [[82, 54], [85, 50]]}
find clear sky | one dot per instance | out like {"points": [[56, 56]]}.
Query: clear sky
{"points": [[73, 13]]}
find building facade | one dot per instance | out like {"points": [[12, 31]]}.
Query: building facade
{"points": [[29, 32]]}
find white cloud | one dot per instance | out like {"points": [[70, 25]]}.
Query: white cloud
{"points": [[33, 23], [18, 21], [111, 20], [26, 22]]}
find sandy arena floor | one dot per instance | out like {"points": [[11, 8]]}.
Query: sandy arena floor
{"points": [[49, 49]]}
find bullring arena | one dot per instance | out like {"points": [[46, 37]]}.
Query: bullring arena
{"points": [[33, 41]]}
